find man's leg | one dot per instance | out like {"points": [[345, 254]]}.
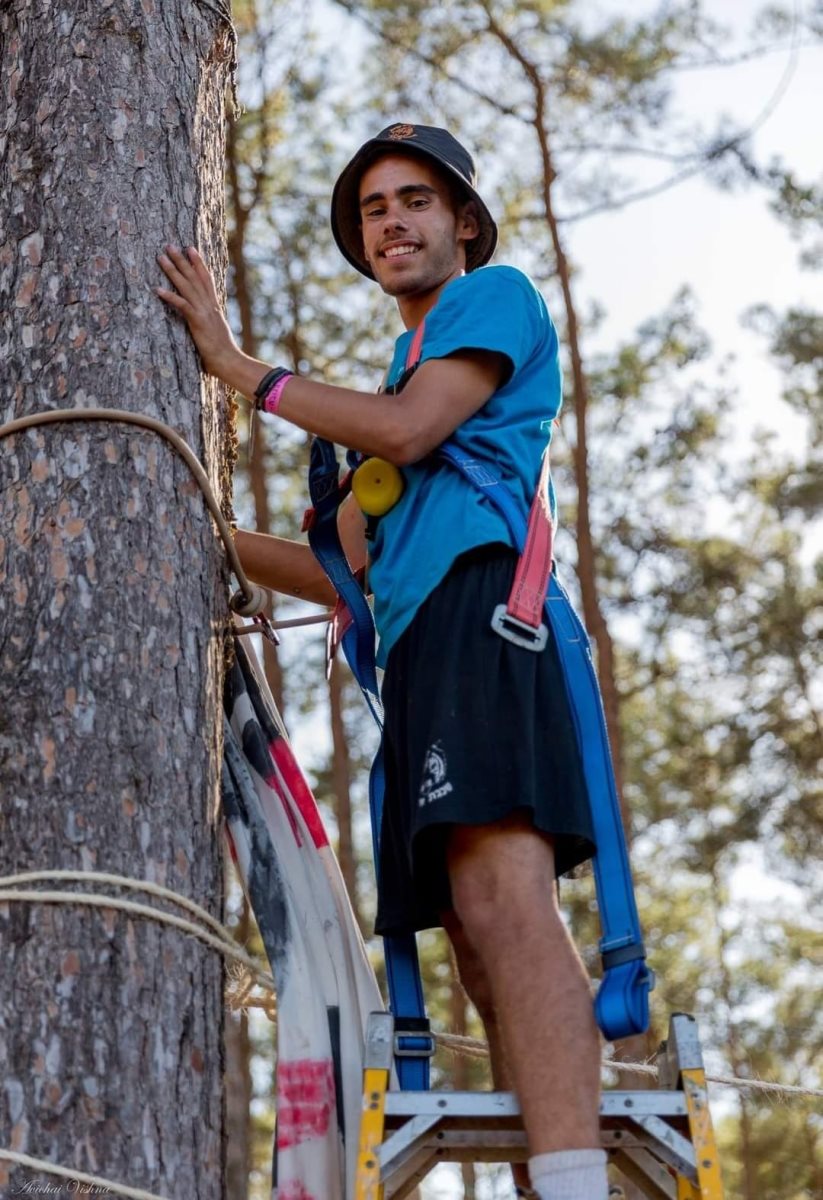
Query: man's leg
{"points": [[475, 981], [502, 881]]}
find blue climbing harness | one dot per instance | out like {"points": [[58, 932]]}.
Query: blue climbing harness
{"points": [[622, 1002], [414, 1044]]}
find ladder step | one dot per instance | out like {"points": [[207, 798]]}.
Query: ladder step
{"points": [[503, 1106]]}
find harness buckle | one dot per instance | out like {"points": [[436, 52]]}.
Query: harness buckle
{"points": [[517, 631], [413, 1038]]}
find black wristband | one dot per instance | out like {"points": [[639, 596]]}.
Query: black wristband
{"points": [[267, 383]]}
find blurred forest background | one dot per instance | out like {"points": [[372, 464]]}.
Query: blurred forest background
{"points": [[688, 531]]}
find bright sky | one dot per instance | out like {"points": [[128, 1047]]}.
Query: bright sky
{"points": [[725, 245]]}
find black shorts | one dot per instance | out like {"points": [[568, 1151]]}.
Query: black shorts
{"points": [[475, 729]]}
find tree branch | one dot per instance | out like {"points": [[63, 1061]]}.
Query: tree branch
{"points": [[505, 109], [701, 158], [735, 60], [711, 155]]}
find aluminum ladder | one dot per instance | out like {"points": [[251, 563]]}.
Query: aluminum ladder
{"points": [[660, 1139]]}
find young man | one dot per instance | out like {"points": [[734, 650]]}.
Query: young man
{"points": [[485, 799]]}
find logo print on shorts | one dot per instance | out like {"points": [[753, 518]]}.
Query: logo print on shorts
{"points": [[434, 785]]}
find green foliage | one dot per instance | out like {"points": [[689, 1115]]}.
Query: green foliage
{"points": [[796, 342], [800, 206]]}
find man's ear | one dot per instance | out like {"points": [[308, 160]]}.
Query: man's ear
{"points": [[468, 224]]}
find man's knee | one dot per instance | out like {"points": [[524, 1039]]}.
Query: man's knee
{"points": [[500, 876], [473, 976], [479, 909]]}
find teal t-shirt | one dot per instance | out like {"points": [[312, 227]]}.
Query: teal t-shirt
{"points": [[440, 515]]}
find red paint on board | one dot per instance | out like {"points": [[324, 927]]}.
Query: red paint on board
{"points": [[294, 1190], [305, 1100], [300, 791]]}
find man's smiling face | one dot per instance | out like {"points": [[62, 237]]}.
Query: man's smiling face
{"points": [[413, 238]]}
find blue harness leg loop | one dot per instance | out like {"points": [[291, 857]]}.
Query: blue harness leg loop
{"points": [[622, 1003], [324, 539], [413, 1043]]}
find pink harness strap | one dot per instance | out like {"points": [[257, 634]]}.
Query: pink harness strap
{"points": [[527, 598], [416, 346]]}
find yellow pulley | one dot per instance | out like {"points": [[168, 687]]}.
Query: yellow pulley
{"points": [[377, 486]]}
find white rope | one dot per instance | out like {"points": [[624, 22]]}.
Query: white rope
{"points": [[40, 1164], [458, 1044], [239, 994], [222, 942], [267, 1004], [763, 1085], [475, 1048], [734, 1081], [137, 885]]}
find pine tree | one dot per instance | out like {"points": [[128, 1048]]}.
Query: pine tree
{"points": [[112, 590]]}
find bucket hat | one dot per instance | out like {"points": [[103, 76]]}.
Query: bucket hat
{"points": [[421, 141]]}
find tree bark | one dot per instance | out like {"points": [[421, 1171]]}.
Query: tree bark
{"points": [[112, 593], [811, 1139]]}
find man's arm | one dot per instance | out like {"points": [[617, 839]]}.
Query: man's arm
{"points": [[290, 567], [441, 395]]}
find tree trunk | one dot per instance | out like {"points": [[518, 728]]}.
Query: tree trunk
{"points": [[112, 595], [811, 1138]]}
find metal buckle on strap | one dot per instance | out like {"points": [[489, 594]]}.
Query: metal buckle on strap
{"points": [[413, 1038], [424, 1047], [517, 631], [616, 956]]}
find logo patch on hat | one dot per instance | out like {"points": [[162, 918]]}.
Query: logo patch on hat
{"points": [[399, 133]]}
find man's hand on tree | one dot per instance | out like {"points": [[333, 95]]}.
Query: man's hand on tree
{"points": [[196, 301]]}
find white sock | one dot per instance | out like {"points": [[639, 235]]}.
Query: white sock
{"points": [[570, 1175]]}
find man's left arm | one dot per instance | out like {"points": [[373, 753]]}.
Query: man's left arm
{"points": [[441, 395]]}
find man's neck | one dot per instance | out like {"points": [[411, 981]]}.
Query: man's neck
{"points": [[413, 308]]}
